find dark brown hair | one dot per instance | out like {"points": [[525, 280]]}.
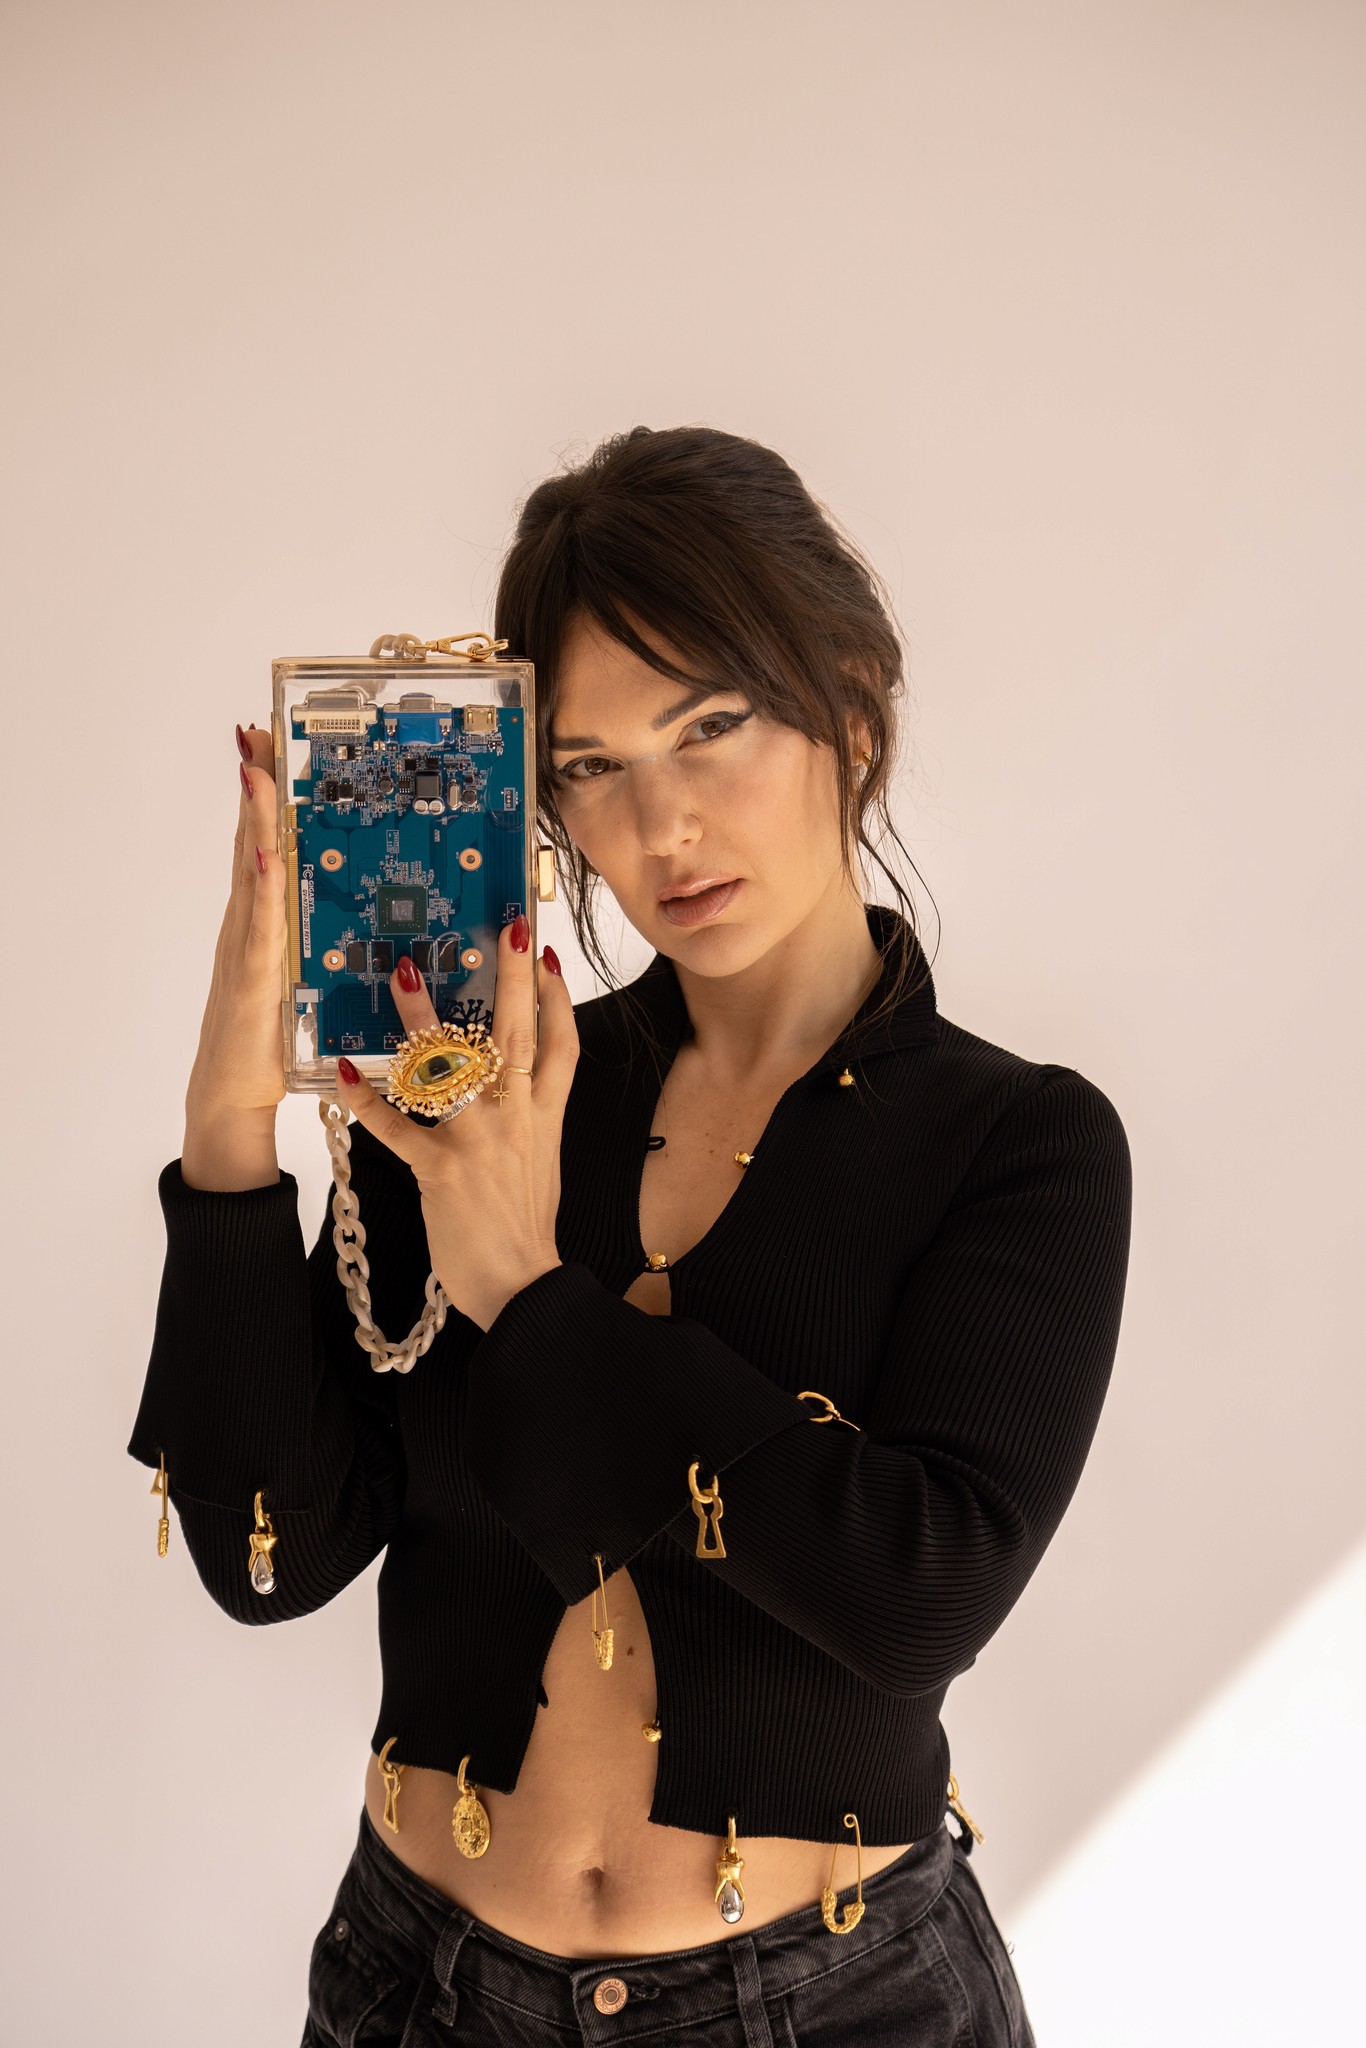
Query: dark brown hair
{"points": [[715, 544]]}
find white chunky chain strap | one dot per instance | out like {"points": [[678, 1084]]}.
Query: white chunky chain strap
{"points": [[353, 1268]]}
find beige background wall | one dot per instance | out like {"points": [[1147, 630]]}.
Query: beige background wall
{"points": [[1061, 310]]}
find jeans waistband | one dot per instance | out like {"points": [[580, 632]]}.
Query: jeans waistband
{"points": [[781, 1955]]}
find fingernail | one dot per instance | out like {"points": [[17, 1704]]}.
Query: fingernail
{"points": [[551, 959], [243, 744], [246, 779], [346, 1070], [260, 861], [521, 933], [408, 975]]}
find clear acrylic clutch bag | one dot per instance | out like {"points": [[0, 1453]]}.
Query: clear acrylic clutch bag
{"points": [[405, 787]]}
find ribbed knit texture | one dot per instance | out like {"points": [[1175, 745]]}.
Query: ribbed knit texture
{"points": [[941, 1248]]}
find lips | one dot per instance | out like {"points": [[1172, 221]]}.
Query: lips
{"points": [[701, 905]]}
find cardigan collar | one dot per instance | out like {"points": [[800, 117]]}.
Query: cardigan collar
{"points": [[913, 1021]]}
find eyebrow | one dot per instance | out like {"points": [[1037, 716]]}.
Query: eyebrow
{"points": [[657, 724]]}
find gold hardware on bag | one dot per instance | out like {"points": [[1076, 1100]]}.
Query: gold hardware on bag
{"points": [[956, 1803], [160, 1483], [602, 1637], [260, 1566], [809, 1394], [407, 647], [702, 1499], [469, 1818], [853, 1911], [391, 1774]]}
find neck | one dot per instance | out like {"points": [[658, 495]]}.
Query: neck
{"points": [[794, 1000]]}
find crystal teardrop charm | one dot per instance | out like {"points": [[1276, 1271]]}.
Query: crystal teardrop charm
{"points": [[730, 1892], [263, 1540]]}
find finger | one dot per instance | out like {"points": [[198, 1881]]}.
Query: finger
{"points": [[557, 1050], [417, 1011], [514, 1004], [255, 827], [388, 1124]]}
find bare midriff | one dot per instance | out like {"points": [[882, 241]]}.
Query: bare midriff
{"points": [[573, 1864]]}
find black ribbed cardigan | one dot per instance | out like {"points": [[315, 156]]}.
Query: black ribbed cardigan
{"points": [[940, 1247]]}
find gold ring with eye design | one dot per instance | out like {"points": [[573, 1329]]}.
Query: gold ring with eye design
{"points": [[438, 1069]]}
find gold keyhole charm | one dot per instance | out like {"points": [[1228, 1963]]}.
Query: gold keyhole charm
{"points": [[602, 1637], [730, 1893], [853, 1911], [469, 1818], [391, 1774], [702, 1499]]}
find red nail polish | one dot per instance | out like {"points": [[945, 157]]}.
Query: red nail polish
{"points": [[551, 959], [243, 744], [408, 975], [346, 1070], [246, 779], [521, 932], [260, 861]]}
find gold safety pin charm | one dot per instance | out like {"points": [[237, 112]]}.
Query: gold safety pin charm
{"points": [[160, 1483], [602, 1637], [853, 1911]]}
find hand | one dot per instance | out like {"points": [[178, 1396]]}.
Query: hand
{"points": [[239, 1069], [489, 1178]]}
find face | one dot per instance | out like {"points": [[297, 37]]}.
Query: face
{"points": [[659, 788]]}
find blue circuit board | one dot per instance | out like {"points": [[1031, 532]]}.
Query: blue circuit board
{"points": [[411, 838]]}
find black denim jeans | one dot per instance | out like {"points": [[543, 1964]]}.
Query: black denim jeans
{"points": [[399, 1965]]}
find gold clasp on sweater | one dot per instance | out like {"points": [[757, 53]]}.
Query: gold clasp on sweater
{"points": [[702, 1499], [160, 1483], [260, 1564], [832, 1412], [956, 1803]]}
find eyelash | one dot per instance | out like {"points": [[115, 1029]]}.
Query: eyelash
{"points": [[733, 719]]}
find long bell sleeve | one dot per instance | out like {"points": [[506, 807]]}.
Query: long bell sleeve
{"points": [[898, 1547], [255, 1380]]}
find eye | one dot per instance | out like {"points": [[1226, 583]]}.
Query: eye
{"points": [[726, 720]]}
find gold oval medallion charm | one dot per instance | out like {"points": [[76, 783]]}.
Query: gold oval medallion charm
{"points": [[469, 1818], [440, 1068]]}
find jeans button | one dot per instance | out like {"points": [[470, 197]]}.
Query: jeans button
{"points": [[609, 1995]]}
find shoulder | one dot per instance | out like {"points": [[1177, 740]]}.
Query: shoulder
{"points": [[997, 1082]]}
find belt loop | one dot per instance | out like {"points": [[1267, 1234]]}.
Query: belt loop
{"points": [[749, 1992], [446, 2004]]}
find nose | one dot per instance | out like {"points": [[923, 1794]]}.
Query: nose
{"points": [[665, 817]]}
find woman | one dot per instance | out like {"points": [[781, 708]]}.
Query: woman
{"points": [[623, 1741]]}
